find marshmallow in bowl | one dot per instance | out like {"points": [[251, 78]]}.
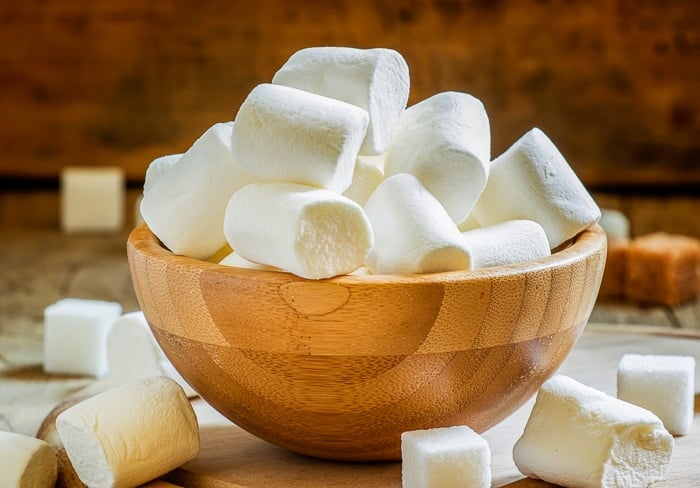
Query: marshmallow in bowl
{"points": [[510, 242], [376, 80], [412, 232], [185, 207], [444, 141], [365, 179], [234, 260], [157, 168], [286, 134], [532, 180], [311, 232]]}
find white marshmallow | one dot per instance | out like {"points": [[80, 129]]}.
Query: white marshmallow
{"points": [[579, 436], [236, 261], [92, 199], [365, 179], [133, 353], [26, 462], [533, 181], [444, 458], [285, 134], [158, 168], [615, 224], [376, 80], [664, 384], [185, 207], [445, 142], [470, 223], [412, 231], [75, 336], [513, 241], [130, 434], [311, 232]]}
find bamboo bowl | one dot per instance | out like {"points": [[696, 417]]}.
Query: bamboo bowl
{"points": [[339, 368]]}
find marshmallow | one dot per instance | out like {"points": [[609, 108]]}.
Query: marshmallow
{"points": [[664, 384], [133, 353], [578, 436], [376, 80], [158, 168], [75, 336], [236, 261], [470, 223], [26, 462], [285, 134], [533, 181], [412, 232], [445, 457], [513, 241], [365, 179], [185, 207], [445, 142], [130, 434], [615, 224], [311, 232], [92, 199]]}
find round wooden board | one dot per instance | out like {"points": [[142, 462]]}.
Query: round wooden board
{"points": [[230, 457]]}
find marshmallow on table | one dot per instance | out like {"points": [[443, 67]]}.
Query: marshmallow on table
{"points": [[513, 241], [615, 224], [365, 179], [75, 336], [133, 353], [157, 168], [311, 232], [376, 80], [664, 384], [286, 134], [130, 434], [445, 457], [26, 462], [445, 142], [185, 207], [412, 232], [92, 199], [533, 181], [579, 436]]}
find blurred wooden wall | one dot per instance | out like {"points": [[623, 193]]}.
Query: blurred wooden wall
{"points": [[111, 82]]}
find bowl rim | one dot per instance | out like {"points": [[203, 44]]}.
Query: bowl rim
{"points": [[589, 241]]}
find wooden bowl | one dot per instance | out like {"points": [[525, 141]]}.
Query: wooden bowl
{"points": [[339, 368]]}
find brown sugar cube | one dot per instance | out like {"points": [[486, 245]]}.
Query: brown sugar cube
{"points": [[612, 285], [662, 268]]}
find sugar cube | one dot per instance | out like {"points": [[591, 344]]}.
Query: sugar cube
{"points": [[664, 384], [75, 336], [445, 457]]}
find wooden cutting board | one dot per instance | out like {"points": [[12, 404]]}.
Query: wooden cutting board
{"points": [[232, 458]]}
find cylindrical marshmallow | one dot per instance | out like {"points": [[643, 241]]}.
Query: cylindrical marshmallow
{"points": [[286, 134], [26, 462], [158, 168], [376, 80], [533, 181], [445, 142], [133, 353], [235, 260], [365, 179], [579, 436], [311, 232], [412, 232], [615, 224], [513, 241], [130, 434], [185, 207]]}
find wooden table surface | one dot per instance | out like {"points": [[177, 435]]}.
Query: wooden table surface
{"points": [[40, 265]]}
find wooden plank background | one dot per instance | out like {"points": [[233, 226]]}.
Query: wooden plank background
{"points": [[614, 83]]}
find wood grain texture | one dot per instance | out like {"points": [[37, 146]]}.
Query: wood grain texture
{"points": [[119, 83], [339, 368]]}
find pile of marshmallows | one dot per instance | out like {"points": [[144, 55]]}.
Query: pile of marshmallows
{"points": [[325, 171]]}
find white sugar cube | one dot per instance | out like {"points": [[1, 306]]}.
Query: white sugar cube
{"points": [[92, 199], [75, 336], [445, 457], [664, 384]]}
